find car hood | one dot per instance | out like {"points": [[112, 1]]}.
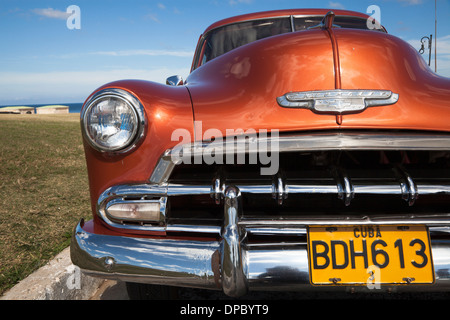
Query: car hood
{"points": [[240, 88]]}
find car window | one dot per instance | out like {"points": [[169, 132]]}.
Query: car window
{"points": [[229, 37], [302, 23], [226, 38]]}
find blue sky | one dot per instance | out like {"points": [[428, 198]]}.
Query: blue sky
{"points": [[42, 61]]}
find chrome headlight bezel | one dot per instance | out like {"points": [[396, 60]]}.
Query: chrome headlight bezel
{"points": [[137, 111]]}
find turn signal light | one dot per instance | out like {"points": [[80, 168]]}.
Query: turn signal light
{"points": [[136, 211]]}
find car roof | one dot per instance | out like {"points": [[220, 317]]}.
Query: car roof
{"points": [[281, 13]]}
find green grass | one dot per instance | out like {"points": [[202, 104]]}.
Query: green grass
{"points": [[43, 190]]}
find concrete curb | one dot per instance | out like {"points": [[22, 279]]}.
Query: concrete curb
{"points": [[59, 279]]}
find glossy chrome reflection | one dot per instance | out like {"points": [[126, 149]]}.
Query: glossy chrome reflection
{"points": [[346, 191], [321, 141], [327, 22], [342, 187], [268, 266], [175, 80], [176, 262], [408, 186], [337, 101], [232, 260]]}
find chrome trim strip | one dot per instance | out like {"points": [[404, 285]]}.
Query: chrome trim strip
{"points": [[213, 230], [194, 264], [289, 187], [292, 23], [337, 101], [435, 220], [301, 231], [163, 169], [321, 141]]}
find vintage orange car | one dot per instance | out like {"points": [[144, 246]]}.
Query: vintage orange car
{"points": [[306, 150]]}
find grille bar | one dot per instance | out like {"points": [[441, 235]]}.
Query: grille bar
{"points": [[281, 188]]}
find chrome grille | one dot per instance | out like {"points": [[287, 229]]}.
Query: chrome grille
{"points": [[301, 180], [406, 181]]}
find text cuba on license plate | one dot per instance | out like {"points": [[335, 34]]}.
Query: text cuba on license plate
{"points": [[369, 254]]}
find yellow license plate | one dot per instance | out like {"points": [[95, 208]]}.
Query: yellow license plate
{"points": [[367, 255]]}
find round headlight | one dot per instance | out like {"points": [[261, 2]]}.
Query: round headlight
{"points": [[113, 120]]}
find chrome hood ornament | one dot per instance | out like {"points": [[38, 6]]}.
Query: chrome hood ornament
{"points": [[337, 101]]}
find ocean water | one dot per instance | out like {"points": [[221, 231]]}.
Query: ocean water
{"points": [[73, 107]]}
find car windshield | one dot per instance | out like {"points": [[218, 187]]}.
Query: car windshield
{"points": [[226, 38]]}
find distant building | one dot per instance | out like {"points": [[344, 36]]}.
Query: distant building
{"points": [[54, 109], [17, 110]]}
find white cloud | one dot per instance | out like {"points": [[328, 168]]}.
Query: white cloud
{"points": [[161, 6], [52, 13], [75, 86], [335, 5], [153, 17], [127, 53]]}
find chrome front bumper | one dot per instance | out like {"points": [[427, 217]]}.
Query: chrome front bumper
{"points": [[229, 264], [197, 264]]}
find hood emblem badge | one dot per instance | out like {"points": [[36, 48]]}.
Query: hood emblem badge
{"points": [[337, 101]]}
